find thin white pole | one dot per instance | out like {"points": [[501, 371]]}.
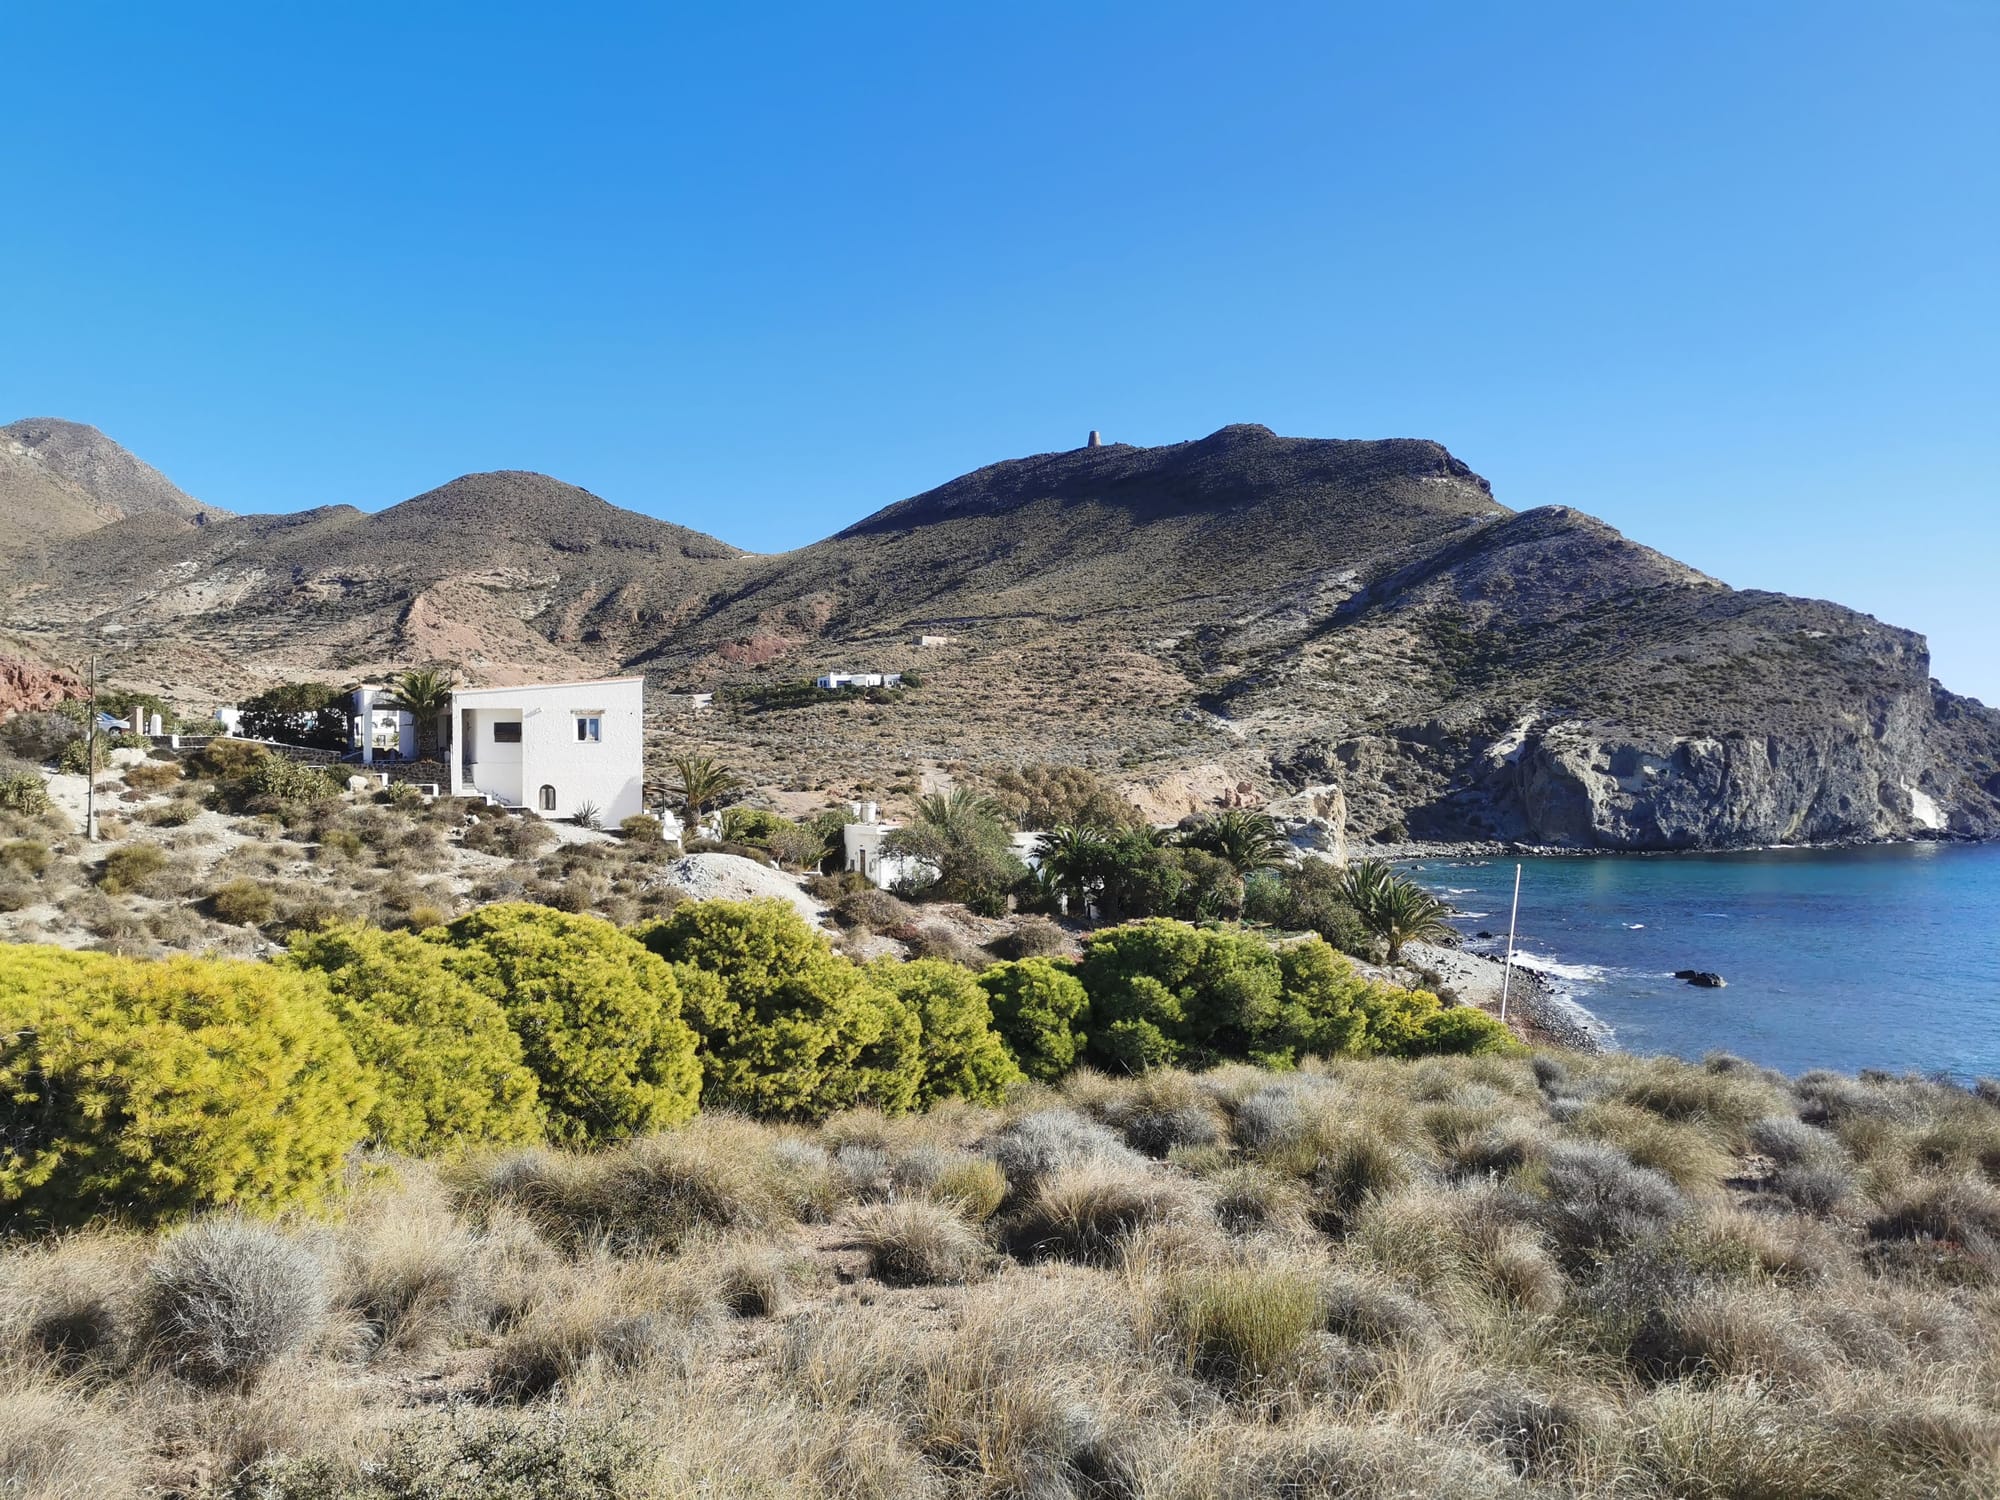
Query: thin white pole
{"points": [[90, 761], [1507, 973]]}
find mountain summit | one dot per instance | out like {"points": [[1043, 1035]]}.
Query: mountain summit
{"points": [[119, 483], [1237, 618]]}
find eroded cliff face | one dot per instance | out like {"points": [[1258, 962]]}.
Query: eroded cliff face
{"points": [[26, 686], [1883, 773]]}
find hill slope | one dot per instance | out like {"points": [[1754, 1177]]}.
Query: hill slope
{"points": [[1233, 618], [120, 483]]}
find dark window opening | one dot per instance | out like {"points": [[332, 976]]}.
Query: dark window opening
{"points": [[507, 732], [548, 799]]}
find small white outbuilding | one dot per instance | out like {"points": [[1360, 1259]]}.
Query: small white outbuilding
{"points": [[552, 747]]}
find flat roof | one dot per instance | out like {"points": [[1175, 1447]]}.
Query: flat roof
{"points": [[541, 687]]}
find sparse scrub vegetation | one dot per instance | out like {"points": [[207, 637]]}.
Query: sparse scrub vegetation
{"points": [[1309, 1293]]}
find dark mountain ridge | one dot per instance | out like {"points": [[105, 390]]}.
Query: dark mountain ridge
{"points": [[1237, 617]]}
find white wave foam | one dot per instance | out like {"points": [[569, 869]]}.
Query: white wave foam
{"points": [[1555, 969]]}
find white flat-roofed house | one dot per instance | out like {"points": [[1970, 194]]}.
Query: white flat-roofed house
{"points": [[833, 681], [553, 747]]}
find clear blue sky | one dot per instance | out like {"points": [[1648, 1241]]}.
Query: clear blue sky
{"points": [[1725, 274]]}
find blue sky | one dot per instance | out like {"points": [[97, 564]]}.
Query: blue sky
{"points": [[1727, 275]]}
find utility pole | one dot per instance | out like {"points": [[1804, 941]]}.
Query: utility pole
{"points": [[1513, 917], [90, 760]]}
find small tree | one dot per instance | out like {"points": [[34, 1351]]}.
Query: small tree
{"points": [[788, 1027], [700, 784], [447, 1066], [1393, 907], [964, 838], [963, 1057], [1041, 1011], [424, 693], [598, 1016], [147, 1091], [298, 713]]}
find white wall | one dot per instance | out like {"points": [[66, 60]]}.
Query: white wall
{"points": [[608, 772]]}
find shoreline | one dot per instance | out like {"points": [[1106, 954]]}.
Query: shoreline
{"points": [[1416, 849], [1536, 1004]]}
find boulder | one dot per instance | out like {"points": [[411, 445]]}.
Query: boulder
{"points": [[1706, 979]]}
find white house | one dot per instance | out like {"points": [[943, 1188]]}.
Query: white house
{"points": [[372, 729], [861, 843], [552, 747], [835, 680]]}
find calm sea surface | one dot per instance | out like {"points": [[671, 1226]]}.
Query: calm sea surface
{"points": [[1884, 957]]}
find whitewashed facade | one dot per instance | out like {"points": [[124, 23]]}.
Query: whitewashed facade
{"points": [[373, 729], [553, 747], [835, 680]]}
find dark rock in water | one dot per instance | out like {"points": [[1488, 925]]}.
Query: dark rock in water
{"points": [[1703, 978], [1482, 934]]}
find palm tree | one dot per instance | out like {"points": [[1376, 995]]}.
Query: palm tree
{"points": [[1362, 883], [700, 783], [424, 693], [1393, 907], [1072, 856], [1406, 913], [1250, 841]]}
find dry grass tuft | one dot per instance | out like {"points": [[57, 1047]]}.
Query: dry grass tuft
{"points": [[918, 1244]]}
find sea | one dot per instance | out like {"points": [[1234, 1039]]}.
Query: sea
{"points": [[1885, 956]]}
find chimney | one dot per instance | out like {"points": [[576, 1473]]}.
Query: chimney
{"points": [[1095, 440]]}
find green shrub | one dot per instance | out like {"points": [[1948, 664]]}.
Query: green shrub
{"points": [[788, 1026], [152, 775], [1162, 991], [599, 1017], [282, 779], [244, 903], [24, 792], [1241, 1327], [131, 867], [28, 856], [640, 828], [962, 1055], [226, 759], [447, 1067], [148, 1090], [1041, 1010], [1463, 1030], [175, 814]]}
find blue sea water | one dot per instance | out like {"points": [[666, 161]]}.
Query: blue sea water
{"points": [[1878, 957]]}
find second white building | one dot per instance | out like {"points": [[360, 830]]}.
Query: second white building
{"points": [[553, 747]]}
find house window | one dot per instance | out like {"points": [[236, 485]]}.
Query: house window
{"points": [[589, 727], [548, 799], [507, 732]]}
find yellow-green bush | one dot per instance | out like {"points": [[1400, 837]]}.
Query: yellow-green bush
{"points": [[1162, 991], [447, 1066], [1041, 1011], [599, 1017], [149, 1090], [788, 1026], [962, 1056]]}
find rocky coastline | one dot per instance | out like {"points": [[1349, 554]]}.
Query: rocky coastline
{"points": [[1536, 1004]]}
